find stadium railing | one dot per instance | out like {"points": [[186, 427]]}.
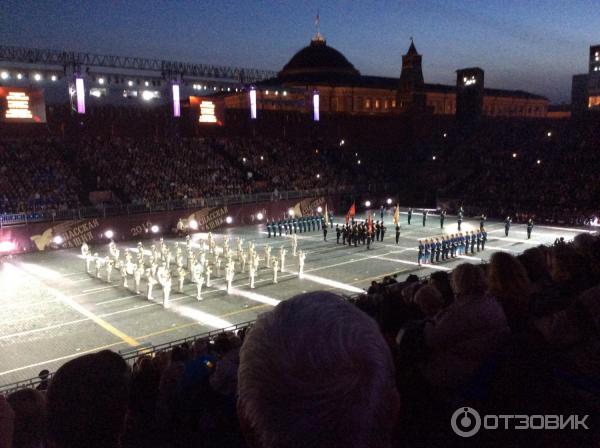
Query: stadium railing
{"points": [[130, 356], [103, 211]]}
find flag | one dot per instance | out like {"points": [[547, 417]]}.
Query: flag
{"points": [[370, 223], [396, 214], [326, 216], [351, 212]]}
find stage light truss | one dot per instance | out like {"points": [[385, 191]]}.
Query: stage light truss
{"points": [[167, 68]]}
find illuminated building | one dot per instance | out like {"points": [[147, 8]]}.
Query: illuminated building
{"points": [[344, 90], [585, 90]]}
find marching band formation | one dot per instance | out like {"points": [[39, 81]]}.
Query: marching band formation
{"points": [[160, 266]]}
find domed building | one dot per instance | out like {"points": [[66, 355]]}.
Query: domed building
{"points": [[342, 89]]}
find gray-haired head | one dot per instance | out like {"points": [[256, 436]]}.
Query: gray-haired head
{"points": [[316, 372]]}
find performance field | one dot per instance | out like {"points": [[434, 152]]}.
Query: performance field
{"points": [[51, 310]]}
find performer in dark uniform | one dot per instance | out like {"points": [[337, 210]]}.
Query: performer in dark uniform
{"points": [[467, 242], [507, 222], [529, 228], [409, 215], [368, 240], [432, 246], [338, 232], [444, 248], [472, 241], [420, 255], [482, 221], [324, 233], [438, 250], [344, 234], [483, 239], [397, 233], [377, 230], [424, 217], [279, 227], [460, 218], [268, 230], [478, 240], [442, 218], [355, 235], [382, 232]]}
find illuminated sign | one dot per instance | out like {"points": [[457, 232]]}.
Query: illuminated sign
{"points": [[469, 81], [207, 112], [593, 102], [17, 106], [22, 105]]}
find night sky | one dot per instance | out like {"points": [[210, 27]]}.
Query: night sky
{"points": [[534, 45]]}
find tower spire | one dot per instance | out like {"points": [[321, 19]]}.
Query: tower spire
{"points": [[318, 36]]}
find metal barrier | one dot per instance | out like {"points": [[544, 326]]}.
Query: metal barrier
{"points": [[131, 355], [183, 204]]}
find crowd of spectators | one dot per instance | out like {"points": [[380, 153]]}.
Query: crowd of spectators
{"points": [[519, 335], [523, 169], [56, 174], [37, 175], [549, 173]]}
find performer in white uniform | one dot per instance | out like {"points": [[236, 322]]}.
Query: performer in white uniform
{"points": [[282, 252], [98, 264], [275, 269], [267, 256], [124, 275], [151, 282], [301, 258], [199, 283], [229, 274], [164, 279], [181, 278], [138, 271], [252, 274], [294, 244], [88, 263], [85, 250], [109, 267], [208, 271]]}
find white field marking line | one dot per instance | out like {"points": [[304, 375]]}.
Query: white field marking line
{"points": [[82, 310], [332, 283], [10, 322], [261, 298], [24, 305], [466, 257], [41, 363], [503, 249], [185, 295], [515, 240], [414, 263], [97, 289], [72, 322], [146, 305], [83, 279]]}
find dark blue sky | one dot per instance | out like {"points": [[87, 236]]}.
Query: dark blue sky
{"points": [[533, 45]]}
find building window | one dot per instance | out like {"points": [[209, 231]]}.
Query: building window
{"points": [[367, 103], [385, 104], [593, 101], [377, 103], [393, 103]]}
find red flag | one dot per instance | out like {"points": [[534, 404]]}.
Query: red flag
{"points": [[351, 212], [370, 223]]}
